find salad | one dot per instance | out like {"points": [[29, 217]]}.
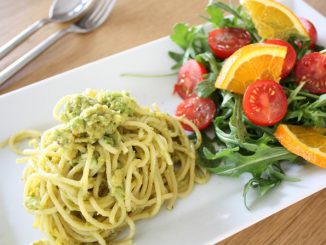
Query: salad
{"points": [[255, 85]]}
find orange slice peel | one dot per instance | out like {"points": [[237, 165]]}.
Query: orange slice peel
{"points": [[273, 19], [253, 62], [309, 143]]}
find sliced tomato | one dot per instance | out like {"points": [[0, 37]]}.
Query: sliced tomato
{"points": [[190, 74], [290, 58], [264, 102], [311, 69], [200, 111], [311, 29], [225, 41]]}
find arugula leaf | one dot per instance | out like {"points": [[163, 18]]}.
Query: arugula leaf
{"points": [[236, 164], [210, 143], [305, 108], [222, 153], [300, 45], [206, 87], [216, 15], [276, 171], [227, 8], [175, 56], [239, 18], [319, 48], [261, 185], [183, 34], [192, 40], [210, 61], [273, 176], [236, 124]]}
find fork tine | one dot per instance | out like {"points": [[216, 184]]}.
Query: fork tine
{"points": [[105, 11], [97, 11], [93, 12], [95, 17]]}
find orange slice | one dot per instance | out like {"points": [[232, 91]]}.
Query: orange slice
{"points": [[309, 143], [250, 63], [273, 20]]}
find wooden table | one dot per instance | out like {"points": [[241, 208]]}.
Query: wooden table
{"points": [[134, 22]]}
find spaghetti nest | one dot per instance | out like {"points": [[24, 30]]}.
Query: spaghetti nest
{"points": [[109, 163]]}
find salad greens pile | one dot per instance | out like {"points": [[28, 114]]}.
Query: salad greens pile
{"points": [[237, 145]]}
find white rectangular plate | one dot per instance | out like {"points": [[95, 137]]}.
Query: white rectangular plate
{"points": [[211, 213]]}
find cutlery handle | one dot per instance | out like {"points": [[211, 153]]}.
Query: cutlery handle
{"points": [[29, 56], [13, 43]]}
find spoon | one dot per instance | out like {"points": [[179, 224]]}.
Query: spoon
{"points": [[60, 11]]}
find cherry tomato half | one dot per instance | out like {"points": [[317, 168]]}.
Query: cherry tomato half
{"points": [[290, 58], [264, 102], [225, 41], [190, 74], [311, 69], [200, 111], [311, 29]]}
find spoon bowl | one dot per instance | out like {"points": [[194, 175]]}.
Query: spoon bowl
{"points": [[68, 10]]}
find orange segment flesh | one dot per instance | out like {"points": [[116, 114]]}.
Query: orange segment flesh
{"points": [[251, 63], [309, 143], [274, 20]]}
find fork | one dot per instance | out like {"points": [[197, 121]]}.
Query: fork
{"points": [[92, 20]]}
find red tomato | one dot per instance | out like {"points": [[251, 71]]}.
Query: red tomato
{"points": [[290, 58], [225, 41], [310, 28], [190, 74], [200, 111], [311, 69], [264, 102]]}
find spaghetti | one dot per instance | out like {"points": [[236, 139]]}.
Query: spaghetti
{"points": [[109, 163]]}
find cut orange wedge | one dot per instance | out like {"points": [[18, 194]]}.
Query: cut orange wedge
{"points": [[253, 62], [309, 143], [273, 20]]}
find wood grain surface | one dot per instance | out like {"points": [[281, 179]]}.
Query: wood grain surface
{"points": [[134, 22]]}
